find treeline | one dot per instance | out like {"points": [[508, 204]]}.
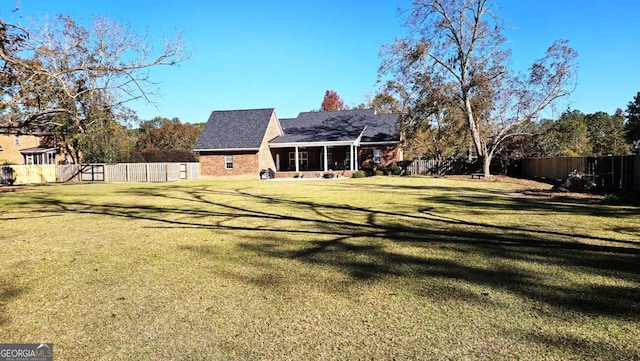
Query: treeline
{"points": [[572, 134], [156, 140]]}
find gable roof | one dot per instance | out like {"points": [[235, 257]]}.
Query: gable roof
{"points": [[383, 128], [338, 126], [234, 129]]}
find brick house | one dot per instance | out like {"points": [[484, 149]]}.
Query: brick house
{"points": [[255, 142], [37, 148]]}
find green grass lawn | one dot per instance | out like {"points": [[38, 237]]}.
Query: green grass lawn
{"points": [[376, 268]]}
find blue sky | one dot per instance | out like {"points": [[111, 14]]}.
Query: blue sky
{"points": [[286, 53]]}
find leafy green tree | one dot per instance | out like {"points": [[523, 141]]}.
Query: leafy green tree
{"points": [[106, 142], [434, 124], [571, 135], [385, 103], [632, 126], [606, 133], [163, 133], [566, 137], [542, 144]]}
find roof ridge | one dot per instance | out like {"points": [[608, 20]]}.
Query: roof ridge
{"points": [[243, 110]]}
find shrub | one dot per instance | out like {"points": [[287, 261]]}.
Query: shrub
{"points": [[368, 172], [359, 174], [7, 176], [576, 181], [166, 155], [382, 169], [395, 170], [379, 172]]}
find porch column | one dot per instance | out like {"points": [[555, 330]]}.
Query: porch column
{"points": [[355, 157], [297, 160], [326, 166], [351, 149]]}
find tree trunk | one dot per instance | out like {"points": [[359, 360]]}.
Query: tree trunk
{"points": [[486, 163], [473, 127]]}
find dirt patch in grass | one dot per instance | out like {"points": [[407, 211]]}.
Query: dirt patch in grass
{"points": [[537, 189], [10, 189]]}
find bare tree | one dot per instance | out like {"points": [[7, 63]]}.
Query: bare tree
{"points": [[68, 78], [460, 43]]}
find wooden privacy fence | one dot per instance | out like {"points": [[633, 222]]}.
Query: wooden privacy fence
{"points": [[608, 173], [437, 167], [128, 172], [27, 174], [121, 172], [553, 168]]}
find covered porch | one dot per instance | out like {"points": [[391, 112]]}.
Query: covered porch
{"points": [[39, 156], [315, 158]]}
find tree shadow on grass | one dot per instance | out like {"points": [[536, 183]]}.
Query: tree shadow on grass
{"points": [[583, 348], [363, 244], [505, 199], [9, 291]]}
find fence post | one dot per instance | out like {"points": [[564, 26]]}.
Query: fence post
{"points": [[636, 171]]}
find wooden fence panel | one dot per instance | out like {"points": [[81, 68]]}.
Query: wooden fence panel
{"points": [[609, 173], [180, 171], [435, 167], [553, 168], [137, 172], [121, 172], [92, 172], [157, 172], [67, 173], [636, 173], [193, 171], [32, 174], [117, 172]]}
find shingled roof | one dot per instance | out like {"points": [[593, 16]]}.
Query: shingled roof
{"points": [[234, 129], [381, 129], [339, 126]]}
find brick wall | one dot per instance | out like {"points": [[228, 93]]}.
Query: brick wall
{"points": [[243, 164], [390, 155], [10, 153], [265, 158]]}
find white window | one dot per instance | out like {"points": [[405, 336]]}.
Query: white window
{"points": [[17, 139], [228, 162], [303, 158], [377, 154]]}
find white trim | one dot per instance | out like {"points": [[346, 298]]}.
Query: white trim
{"points": [[326, 166], [226, 162], [226, 150], [379, 143], [357, 142], [311, 144]]}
